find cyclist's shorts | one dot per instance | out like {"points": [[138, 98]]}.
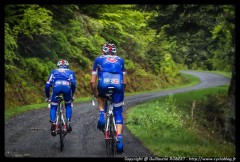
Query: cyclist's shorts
{"points": [[106, 79], [118, 97], [61, 89]]}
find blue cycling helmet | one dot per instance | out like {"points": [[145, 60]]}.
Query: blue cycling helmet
{"points": [[109, 48], [63, 64]]}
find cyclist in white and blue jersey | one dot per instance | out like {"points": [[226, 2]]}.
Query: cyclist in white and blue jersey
{"points": [[62, 80], [109, 71]]}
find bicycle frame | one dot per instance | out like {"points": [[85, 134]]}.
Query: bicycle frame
{"points": [[60, 121], [60, 112], [110, 119], [110, 129]]}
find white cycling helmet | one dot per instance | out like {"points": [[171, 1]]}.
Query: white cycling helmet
{"points": [[109, 48], [63, 64]]}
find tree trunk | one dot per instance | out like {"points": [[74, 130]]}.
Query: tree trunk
{"points": [[230, 125]]}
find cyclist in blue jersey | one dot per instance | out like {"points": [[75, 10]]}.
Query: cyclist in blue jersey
{"points": [[108, 70], [62, 80]]}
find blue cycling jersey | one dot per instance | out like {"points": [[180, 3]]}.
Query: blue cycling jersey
{"points": [[63, 77], [110, 70], [108, 63]]}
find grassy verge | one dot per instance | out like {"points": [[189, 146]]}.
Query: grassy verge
{"points": [[166, 127], [10, 112]]}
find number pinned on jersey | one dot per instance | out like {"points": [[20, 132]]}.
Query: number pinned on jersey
{"points": [[110, 81]]}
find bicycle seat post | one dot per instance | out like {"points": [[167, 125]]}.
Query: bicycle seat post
{"points": [[111, 89], [110, 92]]}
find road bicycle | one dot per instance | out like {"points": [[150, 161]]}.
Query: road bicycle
{"points": [[61, 125], [110, 129]]}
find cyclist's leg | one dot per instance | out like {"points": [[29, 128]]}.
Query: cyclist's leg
{"points": [[54, 103], [53, 109], [67, 95], [101, 105], [118, 97]]}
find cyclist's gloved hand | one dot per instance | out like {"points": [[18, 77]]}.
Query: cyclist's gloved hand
{"points": [[72, 99], [47, 99], [95, 94]]}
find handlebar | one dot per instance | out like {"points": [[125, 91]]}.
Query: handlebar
{"points": [[72, 99], [48, 100]]}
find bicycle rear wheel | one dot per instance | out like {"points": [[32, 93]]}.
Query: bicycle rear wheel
{"points": [[61, 137], [108, 147], [110, 141]]}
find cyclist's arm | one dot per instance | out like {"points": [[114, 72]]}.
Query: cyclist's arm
{"points": [[124, 81], [124, 77], [48, 85], [93, 81], [93, 84], [73, 83]]}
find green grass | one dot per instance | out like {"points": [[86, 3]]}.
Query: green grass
{"points": [[186, 99], [10, 112], [167, 130]]}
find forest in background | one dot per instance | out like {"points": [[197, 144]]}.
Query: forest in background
{"points": [[156, 42]]}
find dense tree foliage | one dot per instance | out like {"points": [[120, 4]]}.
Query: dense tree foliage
{"points": [[204, 34], [156, 41]]}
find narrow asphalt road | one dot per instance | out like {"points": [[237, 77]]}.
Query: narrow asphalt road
{"points": [[28, 135]]}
